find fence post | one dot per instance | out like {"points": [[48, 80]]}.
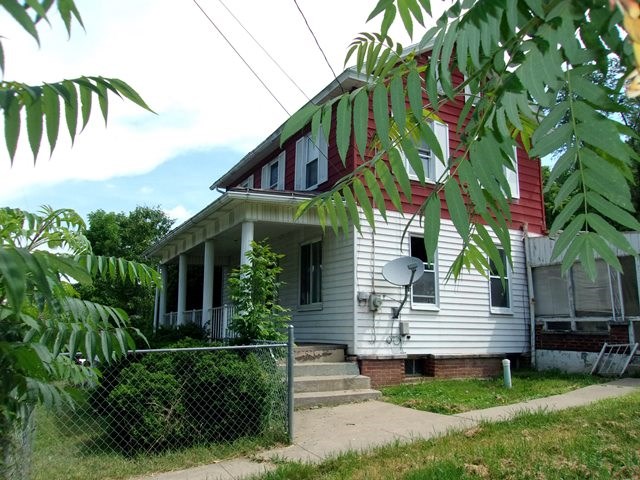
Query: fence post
{"points": [[290, 398]]}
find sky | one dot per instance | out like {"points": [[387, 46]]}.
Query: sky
{"points": [[210, 109]]}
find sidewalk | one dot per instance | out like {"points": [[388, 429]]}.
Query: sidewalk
{"points": [[325, 432]]}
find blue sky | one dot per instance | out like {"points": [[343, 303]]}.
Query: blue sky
{"points": [[180, 186]]}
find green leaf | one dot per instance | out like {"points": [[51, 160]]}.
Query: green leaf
{"points": [[20, 15], [378, 198], [34, 125], [71, 109], [405, 15], [352, 207], [380, 7], [567, 212], [365, 203], [387, 20], [615, 213], [51, 109], [13, 269], [568, 235], [295, 123], [389, 184], [414, 92], [85, 101], [381, 113], [126, 90], [341, 212], [457, 208], [12, 109], [343, 127], [361, 120], [432, 225], [398, 105], [608, 233], [551, 142], [400, 172]]}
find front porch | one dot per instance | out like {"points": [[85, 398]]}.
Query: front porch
{"points": [[198, 257]]}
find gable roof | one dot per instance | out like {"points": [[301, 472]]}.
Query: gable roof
{"points": [[347, 80]]}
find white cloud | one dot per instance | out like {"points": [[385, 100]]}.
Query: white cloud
{"points": [[202, 92], [179, 213]]}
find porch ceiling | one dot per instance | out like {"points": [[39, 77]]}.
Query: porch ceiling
{"points": [[272, 214]]}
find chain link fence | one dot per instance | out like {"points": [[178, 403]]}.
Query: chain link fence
{"points": [[158, 402]]}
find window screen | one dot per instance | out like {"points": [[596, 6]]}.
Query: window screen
{"points": [[592, 298], [550, 292]]}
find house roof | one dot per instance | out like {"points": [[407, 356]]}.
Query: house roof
{"points": [[223, 204], [347, 80]]}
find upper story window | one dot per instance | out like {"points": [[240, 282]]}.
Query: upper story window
{"points": [[311, 161], [512, 175], [247, 183], [433, 167], [425, 291], [273, 173], [499, 288]]}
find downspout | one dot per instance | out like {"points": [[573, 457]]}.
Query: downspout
{"points": [[532, 300]]}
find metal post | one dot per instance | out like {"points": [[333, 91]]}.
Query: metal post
{"points": [[290, 399]]}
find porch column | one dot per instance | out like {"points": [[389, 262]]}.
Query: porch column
{"points": [[162, 310], [207, 282], [245, 242], [182, 288]]}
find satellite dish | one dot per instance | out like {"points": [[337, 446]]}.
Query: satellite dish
{"points": [[403, 271]]}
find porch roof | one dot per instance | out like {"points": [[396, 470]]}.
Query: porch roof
{"points": [[228, 211]]}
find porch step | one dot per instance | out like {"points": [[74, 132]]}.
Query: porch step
{"points": [[329, 399], [318, 353], [325, 369], [328, 383]]}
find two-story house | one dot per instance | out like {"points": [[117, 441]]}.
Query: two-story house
{"points": [[449, 328]]}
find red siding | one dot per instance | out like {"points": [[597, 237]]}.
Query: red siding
{"points": [[528, 209]]}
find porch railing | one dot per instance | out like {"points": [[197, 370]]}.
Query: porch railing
{"points": [[216, 321]]}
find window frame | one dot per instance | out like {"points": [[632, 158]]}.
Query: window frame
{"points": [[308, 151], [436, 168], [617, 294], [436, 280], [497, 310], [280, 161], [312, 305], [247, 182]]}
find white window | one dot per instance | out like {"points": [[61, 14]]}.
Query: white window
{"points": [[311, 273], [425, 291], [512, 175], [273, 173], [499, 288], [311, 161], [248, 182], [433, 167]]}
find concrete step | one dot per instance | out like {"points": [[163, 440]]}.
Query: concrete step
{"points": [[325, 369], [328, 399], [328, 383], [318, 353]]}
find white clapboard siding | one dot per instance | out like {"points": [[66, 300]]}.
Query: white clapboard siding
{"points": [[463, 323], [333, 323]]}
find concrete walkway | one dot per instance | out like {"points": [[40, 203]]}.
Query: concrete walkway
{"points": [[325, 432]]}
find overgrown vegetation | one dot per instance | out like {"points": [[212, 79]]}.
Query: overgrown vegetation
{"points": [[596, 442], [180, 399], [457, 396], [254, 289]]}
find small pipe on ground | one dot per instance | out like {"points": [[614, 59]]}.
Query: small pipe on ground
{"points": [[506, 370]]}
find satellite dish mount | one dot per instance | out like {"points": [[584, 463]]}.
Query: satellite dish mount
{"points": [[403, 271]]}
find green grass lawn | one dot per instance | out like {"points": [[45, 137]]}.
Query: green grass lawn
{"points": [[601, 441], [65, 451], [457, 396]]}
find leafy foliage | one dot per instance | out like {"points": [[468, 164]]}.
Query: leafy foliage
{"points": [[516, 57], [187, 398], [254, 291], [42, 105], [43, 323], [126, 235]]}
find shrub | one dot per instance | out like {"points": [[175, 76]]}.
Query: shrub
{"points": [[166, 336], [181, 399]]}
